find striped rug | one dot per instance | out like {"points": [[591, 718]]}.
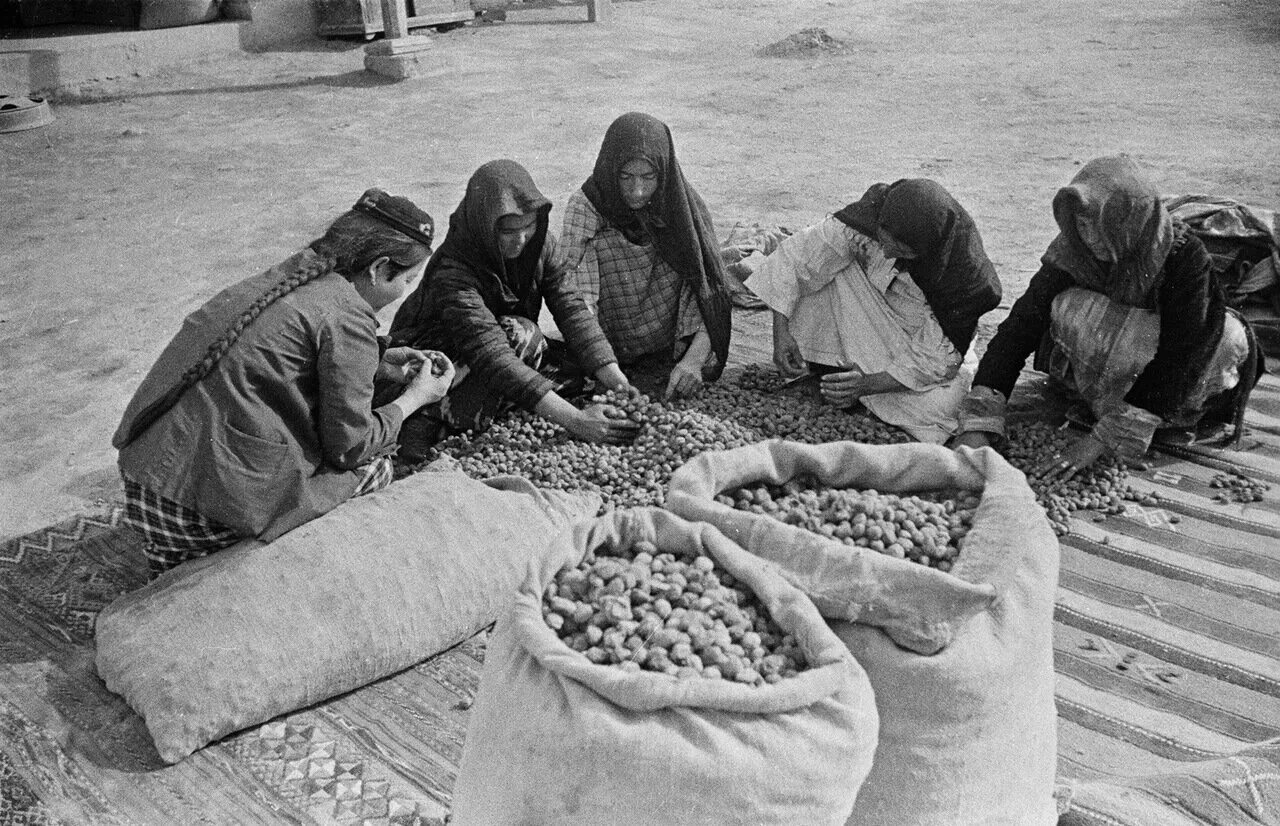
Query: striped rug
{"points": [[1167, 643]]}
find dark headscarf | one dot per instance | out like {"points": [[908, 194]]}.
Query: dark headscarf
{"points": [[676, 220], [1113, 195], [951, 268], [496, 190]]}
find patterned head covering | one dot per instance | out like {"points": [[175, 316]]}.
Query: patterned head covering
{"points": [[951, 267], [676, 220], [400, 214], [1126, 212]]}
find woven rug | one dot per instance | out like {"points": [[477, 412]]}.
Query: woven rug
{"points": [[72, 752], [1167, 642], [1168, 618], [1167, 649]]}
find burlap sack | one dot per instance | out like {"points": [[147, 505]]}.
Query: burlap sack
{"points": [[368, 589], [961, 662], [556, 739]]}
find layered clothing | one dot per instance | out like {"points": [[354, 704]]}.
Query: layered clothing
{"points": [[950, 267], [281, 430], [468, 286], [650, 269], [1160, 297], [849, 304]]}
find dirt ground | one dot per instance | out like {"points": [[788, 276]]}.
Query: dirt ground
{"points": [[146, 197]]}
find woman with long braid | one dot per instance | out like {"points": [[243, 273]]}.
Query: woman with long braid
{"points": [[258, 415]]}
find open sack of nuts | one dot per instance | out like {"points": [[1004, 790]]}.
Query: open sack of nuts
{"points": [[651, 671], [937, 569]]}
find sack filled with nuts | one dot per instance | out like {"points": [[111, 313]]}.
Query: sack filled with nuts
{"points": [[651, 671], [952, 618]]}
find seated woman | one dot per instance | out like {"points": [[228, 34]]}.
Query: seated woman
{"points": [[642, 251], [882, 299], [1127, 316], [479, 302], [257, 416]]}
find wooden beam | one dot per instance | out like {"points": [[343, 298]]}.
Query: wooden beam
{"points": [[598, 11]]}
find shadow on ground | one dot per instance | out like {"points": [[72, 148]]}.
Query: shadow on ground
{"points": [[357, 79]]}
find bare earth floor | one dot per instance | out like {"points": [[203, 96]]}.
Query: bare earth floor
{"points": [[145, 197]]}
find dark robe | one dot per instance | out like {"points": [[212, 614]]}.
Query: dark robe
{"points": [[468, 286], [1158, 266]]}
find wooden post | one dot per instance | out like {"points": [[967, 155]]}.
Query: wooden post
{"points": [[395, 19], [397, 55], [598, 11]]}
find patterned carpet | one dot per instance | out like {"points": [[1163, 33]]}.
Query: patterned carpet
{"points": [[1167, 650], [71, 752]]}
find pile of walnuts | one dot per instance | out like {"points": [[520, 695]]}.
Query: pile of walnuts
{"points": [[1103, 487], [928, 529], [639, 608], [751, 406], [722, 416]]}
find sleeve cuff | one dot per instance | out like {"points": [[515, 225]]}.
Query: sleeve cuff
{"points": [[393, 416], [983, 409], [597, 356], [774, 288], [1127, 431], [531, 395]]}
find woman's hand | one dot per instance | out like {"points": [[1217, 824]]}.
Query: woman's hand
{"points": [[786, 352], [612, 377], [845, 388], [1080, 455], [685, 379], [401, 364], [603, 424], [433, 374], [431, 379], [686, 376], [971, 438]]}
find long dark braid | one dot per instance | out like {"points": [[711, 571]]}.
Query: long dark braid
{"points": [[305, 273], [216, 350], [350, 245], [394, 229]]}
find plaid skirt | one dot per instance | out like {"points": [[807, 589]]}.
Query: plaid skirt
{"points": [[174, 533]]}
